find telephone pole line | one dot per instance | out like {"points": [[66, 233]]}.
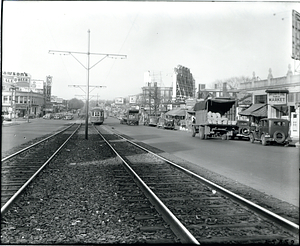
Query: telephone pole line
{"points": [[88, 68]]}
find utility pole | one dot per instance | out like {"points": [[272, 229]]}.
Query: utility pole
{"points": [[88, 68], [13, 89]]}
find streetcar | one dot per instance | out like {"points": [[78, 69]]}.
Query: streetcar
{"points": [[97, 116]]}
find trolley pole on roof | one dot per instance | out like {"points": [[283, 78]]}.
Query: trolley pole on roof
{"points": [[88, 68]]}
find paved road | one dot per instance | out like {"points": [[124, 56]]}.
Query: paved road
{"points": [[18, 132], [273, 170]]}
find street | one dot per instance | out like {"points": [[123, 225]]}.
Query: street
{"points": [[273, 170]]}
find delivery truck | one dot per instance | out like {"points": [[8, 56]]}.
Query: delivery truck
{"points": [[215, 117]]}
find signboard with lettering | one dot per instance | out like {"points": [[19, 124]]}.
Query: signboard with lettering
{"points": [[37, 84], [132, 99], [119, 100], [277, 98]]}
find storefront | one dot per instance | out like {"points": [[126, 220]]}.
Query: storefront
{"points": [[277, 103]]}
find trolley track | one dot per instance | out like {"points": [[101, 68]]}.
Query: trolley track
{"points": [[205, 212], [20, 168]]}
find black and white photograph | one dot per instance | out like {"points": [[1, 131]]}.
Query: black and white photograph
{"points": [[150, 122]]}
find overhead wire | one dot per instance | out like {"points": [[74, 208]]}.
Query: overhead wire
{"points": [[122, 45], [51, 34]]}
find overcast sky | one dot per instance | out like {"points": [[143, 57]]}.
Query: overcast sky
{"points": [[215, 40]]}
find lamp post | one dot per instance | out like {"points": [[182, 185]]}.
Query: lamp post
{"points": [[88, 68]]}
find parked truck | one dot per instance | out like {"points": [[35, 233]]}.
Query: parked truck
{"points": [[215, 117], [131, 117]]}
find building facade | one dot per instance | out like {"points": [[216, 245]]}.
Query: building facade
{"points": [[22, 95], [282, 95], [155, 99]]}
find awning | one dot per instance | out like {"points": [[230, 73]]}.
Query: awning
{"points": [[277, 91], [256, 110], [176, 112], [282, 108]]}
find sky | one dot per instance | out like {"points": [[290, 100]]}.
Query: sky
{"points": [[215, 40]]}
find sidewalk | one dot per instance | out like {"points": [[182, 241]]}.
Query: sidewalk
{"points": [[16, 122], [295, 142]]}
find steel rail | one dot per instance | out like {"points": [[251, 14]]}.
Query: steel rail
{"points": [[6, 206], [291, 226], [31, 146], [177, 227]]}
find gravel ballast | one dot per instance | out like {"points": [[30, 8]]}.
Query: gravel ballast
{"points": [[78, 201]]}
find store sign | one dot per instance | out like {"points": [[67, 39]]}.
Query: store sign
{"points": [[119, 100], [277, 98], [132, 99], [37, 84]]}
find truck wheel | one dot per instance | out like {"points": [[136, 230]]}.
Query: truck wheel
{"points": [[169, 125], [224, 137], [193, 131], [251, 138], [263, 140], [279, 137], [201, 132]]}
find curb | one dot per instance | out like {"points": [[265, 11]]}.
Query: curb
{"points": [[294, 144]]}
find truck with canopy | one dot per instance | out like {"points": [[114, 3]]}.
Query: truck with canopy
{"points": [[131, 117], [215, 117]]}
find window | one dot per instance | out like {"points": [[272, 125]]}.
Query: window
{"points": [[96, 113], [5, 99], [291, 97], [297, 97], [260, 99], [279, 123]]}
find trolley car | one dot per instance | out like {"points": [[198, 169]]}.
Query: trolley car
{"points": [[97, 116]]}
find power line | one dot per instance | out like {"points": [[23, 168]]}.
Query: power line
{"points": [[88, 68]]}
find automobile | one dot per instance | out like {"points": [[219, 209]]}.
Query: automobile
{"points": [[68, 117], [48, 116], [30, 116], [166, 122], [271, 130], [57, 116], [151, 121], [5, 117], [243, 130]]}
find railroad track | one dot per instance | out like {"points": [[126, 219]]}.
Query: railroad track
{"points": [[197, 210], [19, 169]]}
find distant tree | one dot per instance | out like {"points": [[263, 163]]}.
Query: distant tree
{"points": [[232, 83], [74, 103]]}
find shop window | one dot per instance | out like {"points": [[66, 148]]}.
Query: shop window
{"points": [[260, 99]]}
